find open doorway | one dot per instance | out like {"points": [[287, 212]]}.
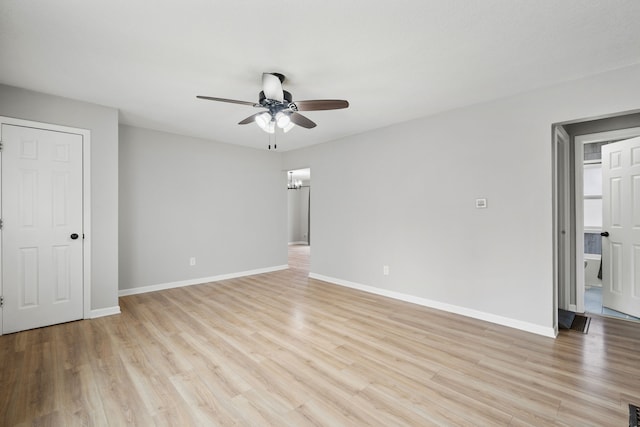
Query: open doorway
{"points": [[578, 208], [592, 224], [299, 212]]}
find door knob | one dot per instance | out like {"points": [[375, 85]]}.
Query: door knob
{"points": [[74, 236], [605, 234]]}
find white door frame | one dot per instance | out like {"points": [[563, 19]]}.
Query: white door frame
{"points": [[561, 220], [86, 201], [580, 141]]}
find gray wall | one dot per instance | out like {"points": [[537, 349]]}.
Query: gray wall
{"points": [[103, 124], [183, 197], [404, 196], [298, 203]]}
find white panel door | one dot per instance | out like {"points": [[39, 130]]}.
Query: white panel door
{"points": [[621, 220], [42, 227]]}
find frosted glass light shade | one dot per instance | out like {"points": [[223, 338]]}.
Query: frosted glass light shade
{"points": [[288, 127], [271, 127], [282, 119], [262, 120]]}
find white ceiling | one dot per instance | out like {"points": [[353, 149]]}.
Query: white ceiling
{"points": [[393, 61]]}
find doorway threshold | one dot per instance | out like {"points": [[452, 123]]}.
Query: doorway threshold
{"points": [[593, 305]]}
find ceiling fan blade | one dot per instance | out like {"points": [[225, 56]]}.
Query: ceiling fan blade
{"points": [[321, 104], [250, 119], [272, 86], [233, 101], [302, 121]]}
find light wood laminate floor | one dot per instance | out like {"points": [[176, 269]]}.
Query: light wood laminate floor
{"points": [[283, 350]]}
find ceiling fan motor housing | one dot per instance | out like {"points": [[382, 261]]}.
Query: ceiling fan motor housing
{"points": [[286, 94], [275, 106]]}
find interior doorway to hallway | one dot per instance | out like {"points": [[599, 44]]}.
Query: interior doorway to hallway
{"points": [[299, 206], [602, 282], [578, 206]]}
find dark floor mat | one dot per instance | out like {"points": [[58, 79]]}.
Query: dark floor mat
{"points": [[565, 318]]}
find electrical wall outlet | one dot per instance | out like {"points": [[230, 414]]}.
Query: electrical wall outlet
{"points": [[385, 270], [192, 261]]}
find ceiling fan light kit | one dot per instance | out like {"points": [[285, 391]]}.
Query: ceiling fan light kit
{"points": [[282, 111]]}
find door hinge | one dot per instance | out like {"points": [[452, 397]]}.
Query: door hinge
{"points": [[0, 224], [1, 301]]}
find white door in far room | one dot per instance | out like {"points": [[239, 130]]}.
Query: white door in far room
{"points": [[621, 226], [42, 233]]}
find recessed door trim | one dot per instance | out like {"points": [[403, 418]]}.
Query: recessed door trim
{"points": [[86, 201]]}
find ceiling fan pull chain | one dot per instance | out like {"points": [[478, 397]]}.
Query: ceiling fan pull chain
{"points": [[274, 141]]}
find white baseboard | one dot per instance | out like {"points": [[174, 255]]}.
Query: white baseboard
{"points": [[199, 281], [463, 311], [302, 242], [102, 312]]}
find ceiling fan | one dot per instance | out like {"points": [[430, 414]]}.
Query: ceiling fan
{"points": [[282, 111]]}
